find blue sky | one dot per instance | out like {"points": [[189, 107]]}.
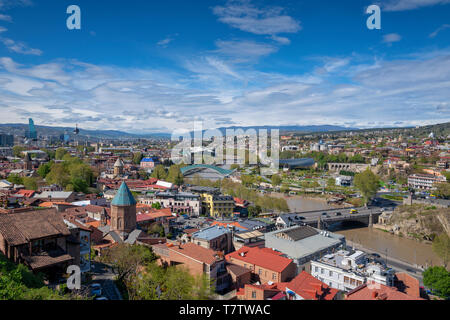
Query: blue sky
{"points": [[152, 66]]}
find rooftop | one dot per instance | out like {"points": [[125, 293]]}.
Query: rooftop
{"points": [[211, 233], [123, 197], [265, 257]]}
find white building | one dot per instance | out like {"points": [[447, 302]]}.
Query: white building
{"points": [[345, 270], [424, 181]]}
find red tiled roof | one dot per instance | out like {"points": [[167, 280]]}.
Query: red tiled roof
{"points": [[227, 224], [265, 258], [407, 284], [26, 193], [195, 252], [378, 291], [310, 288], [153, 214]]}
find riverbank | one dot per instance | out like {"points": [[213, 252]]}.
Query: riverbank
{"points": [[304, 203]]}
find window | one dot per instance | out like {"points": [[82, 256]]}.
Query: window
{"points": [[260, 272], [331, 273], [316, 269], [274, 276], [254, 294]]}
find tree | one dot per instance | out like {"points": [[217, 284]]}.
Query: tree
{"points": [[44, 169], [441, 246], [276, 180], [367, 183], [159, 172], [60, 152], [438, 279], [443, 190], [30, 183], [247, 180], [58, 175], [127, 259], [156, 205], [17, 151], [18, 283], [254, 211], [137, 157], [175, 176], [15, 178]]}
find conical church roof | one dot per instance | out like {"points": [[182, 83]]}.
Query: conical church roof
{"points": [[123, 197], [119, 163]]}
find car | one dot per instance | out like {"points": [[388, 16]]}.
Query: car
{"points": [[101, 298], [338, 214], [95, 289], [324, 214]]}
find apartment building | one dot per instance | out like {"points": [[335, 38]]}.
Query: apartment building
{"points": [[197, 260], [346, 270], [424, 181], [266, 264]]}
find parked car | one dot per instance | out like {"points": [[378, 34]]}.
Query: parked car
{"points": [[338, 214], [95, 289], [101, 298]]}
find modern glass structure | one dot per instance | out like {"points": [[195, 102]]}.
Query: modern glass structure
{"points": [[31, 134]]}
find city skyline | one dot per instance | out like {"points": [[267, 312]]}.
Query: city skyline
{"points": [[146, 67]]}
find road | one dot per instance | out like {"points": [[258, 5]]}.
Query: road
{"points": [[394, 263], [104, 275]]}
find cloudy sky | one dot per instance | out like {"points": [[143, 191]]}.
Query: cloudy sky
{"points": [[153, 66]]}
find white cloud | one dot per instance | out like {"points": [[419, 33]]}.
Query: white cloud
{"points": [[3, 29], [262, 21], [391, 37], [20, 47], [5, 17], [243, 50], [402, 5], [374, 93], [441, 28]]}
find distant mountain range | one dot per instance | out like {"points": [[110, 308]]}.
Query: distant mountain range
{"points": [[20, 129]]}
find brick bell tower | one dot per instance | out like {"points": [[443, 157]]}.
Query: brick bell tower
{"points": [[123, 211]]}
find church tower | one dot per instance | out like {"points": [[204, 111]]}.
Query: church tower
{"points": [[118, 168], [123, 211], [28, 162]]}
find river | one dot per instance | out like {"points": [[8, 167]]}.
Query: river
{"points": [[404, 249]]}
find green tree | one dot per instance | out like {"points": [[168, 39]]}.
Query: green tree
{"points": [[443, 190], [156, 205], [58, 175], [276, 180], [17, 151], [367, 183], [44, 169], [438, 279], [441, 246], [137, 157], [15, 178], [247, 180], [60, 152], [30, 183], [126, 260], [159, 172], [175, 176]]}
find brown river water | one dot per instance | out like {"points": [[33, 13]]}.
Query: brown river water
{"points": [[404, 249]]}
